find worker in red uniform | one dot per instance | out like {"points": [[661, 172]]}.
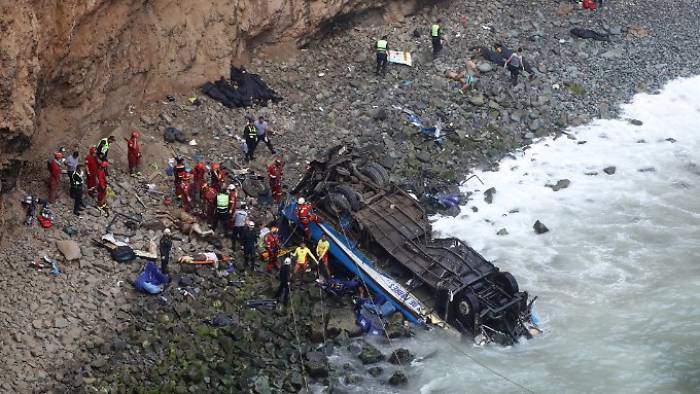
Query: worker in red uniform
{"points": [[54, 176], [91, 169], [208, 194], [102, 185], [185, 187], [199, 172], [275, 171], [177, 174], [272, 246], [215, 176], [133, 152], [589, 5], [304, 211]]}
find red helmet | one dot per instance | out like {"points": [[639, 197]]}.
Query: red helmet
{"points": [[186, 175], [134, 134], [214, 166], [57, 155], [93, 150], [200, 165], [104, 164]]}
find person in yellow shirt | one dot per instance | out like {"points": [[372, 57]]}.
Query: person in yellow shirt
{"points": [[301, 253], [322, 253]]}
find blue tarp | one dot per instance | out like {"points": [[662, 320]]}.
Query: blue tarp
{"points": [[151, 280]]}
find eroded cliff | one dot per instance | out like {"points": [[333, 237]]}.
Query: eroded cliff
{"points": [[67, 64]]}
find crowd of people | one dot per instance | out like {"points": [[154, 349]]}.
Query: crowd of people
{"points": [[205, 190]]}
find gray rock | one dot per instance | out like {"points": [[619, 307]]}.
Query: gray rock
{"points": [[647, 169], [488, 195], [609, 170], [613, 54], [398, 379], [636, 122], [375, 371], [316, 369], [561, 184], [540, 228], [485, 67], [370, 355], [401, 356], [477, 100], [502, 231]]}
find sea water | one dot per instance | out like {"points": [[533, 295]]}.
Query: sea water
{"points": [[617, 276]]}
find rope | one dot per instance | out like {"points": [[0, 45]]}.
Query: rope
{"points": [[296, 335], [493, 371]]}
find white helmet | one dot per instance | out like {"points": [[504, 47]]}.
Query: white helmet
{"points": [[166, 231], [287, 261], [251, 224], [232, 187], [301, 200]]}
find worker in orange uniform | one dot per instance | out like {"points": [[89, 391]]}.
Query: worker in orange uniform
{"points": [[54, 176], [275, 171], [185, 187], [304, 211], [208, 194], [272, 247], [199, 172], [177, 174], [133, 152], [215, 176], [91, 165], [102, 185]]}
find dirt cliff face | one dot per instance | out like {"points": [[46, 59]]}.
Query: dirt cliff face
{"points": [[65, 65]]}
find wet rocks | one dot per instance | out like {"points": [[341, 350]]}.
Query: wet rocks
{"points": [[540, 228], [375, 371], [398, 379], [561, 184], [635, 122], [401, 356], [488, 195], [502, 231], [610, 170], [370, 355]]}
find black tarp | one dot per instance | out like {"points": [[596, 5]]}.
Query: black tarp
{"points": [[243, 90], [588, 33]]}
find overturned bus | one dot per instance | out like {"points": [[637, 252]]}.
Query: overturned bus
{"points": [[380, 233]]}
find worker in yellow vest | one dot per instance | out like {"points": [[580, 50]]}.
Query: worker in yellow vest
{"points": [[436, 37], [382, 57]]}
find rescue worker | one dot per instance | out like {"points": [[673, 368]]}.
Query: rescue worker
{"points": [[240, 218], [178, 171], [165, 245], [54, 167], [103, 147], [382, 47], [76, 187], [305, 215], [272, 246], [282, 294], [102, 185], [322, 252], [436, 37], [221, 215], [275, 171], [185, 188], [250, 133], [215, 176], [91, 169], [302, 264], [208, 194], [248, 239], [72, 163], [198, 174], [133, 152]]}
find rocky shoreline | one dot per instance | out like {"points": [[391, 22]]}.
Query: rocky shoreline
{"points": [[88, 331]]}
